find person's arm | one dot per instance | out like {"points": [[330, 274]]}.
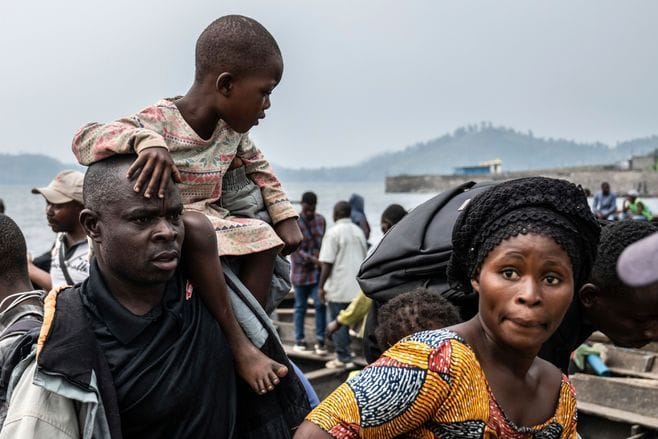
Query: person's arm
{"points": [[383, 398], [624, 205], [300, 256], [139, 134], [303, 258], [325, 272], [327, 257], [39, 277], [309, 430], [356, 311], [258, 169], [596, 203], [289, 232], [365, 226], [353, 314], [96, 141]]}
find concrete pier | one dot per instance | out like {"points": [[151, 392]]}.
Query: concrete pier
{"points": [[589, 177]]}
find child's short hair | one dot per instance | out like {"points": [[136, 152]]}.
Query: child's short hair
{"points": [[615, 237], [393, 214], [235, 44], [342, 209], [413, 311]]}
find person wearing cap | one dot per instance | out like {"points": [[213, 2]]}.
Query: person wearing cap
{"points": [[634, 208], [131, 352], [69, 257]]}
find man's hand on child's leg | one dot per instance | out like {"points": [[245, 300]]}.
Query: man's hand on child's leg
{"points": [[153, 167], [290, 234]]}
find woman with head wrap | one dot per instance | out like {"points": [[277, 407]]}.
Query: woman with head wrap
{"points": [[524, 246]]}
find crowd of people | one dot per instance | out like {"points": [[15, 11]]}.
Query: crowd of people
{"points": [[149, 317], [632, 208]]}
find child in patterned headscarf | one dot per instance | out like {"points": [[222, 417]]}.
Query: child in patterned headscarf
{"points": [[524, 246]]}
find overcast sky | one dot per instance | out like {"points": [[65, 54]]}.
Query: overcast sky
{"points": [[360, 76]]}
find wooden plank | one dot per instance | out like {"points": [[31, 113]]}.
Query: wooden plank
{"points": [[631, 373], [632, 395], [630, 359], [617, 415]]}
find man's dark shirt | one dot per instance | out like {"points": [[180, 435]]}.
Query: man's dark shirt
{"points": [[172, 368]]}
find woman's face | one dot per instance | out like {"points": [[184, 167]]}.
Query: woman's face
{"points": [[525, 287]]}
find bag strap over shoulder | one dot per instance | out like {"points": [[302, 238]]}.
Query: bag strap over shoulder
{"points": [[62, 262]]}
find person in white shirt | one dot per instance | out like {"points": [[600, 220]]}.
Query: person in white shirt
{"points": [[341, 254], [69, 257]]}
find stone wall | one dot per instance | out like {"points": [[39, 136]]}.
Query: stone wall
{"points": [[590, 177]]}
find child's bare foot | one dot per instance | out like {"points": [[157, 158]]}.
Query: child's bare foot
{"points": [[258, 370]]}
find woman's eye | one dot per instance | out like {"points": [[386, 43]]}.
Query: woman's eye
{"points": [[509, 274], [552, 280]]}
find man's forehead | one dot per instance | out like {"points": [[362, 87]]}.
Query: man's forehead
{"points": [[127, 199]]}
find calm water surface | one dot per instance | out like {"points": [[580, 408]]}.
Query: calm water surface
{"points": [[28, 210]]}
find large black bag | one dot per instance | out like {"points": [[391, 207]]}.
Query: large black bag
{"points": [[415, 253]]}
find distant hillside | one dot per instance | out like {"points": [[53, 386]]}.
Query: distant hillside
{"points": [[30, 169], [471, 145], [466, 146]]}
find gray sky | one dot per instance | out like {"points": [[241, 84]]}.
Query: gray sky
{"points": [[361, 76]]}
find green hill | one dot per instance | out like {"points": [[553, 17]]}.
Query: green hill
{"points": [[471, 145], [465, 146]]}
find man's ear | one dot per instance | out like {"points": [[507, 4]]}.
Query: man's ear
{"points": [[475, 283], [90, 222], [224, 83], [588, 294]]}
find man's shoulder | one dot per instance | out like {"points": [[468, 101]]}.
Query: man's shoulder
{"points": [[355, 230], [61, 301]]}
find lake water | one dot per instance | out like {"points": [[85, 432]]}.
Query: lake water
{"points": [[28, 210]]}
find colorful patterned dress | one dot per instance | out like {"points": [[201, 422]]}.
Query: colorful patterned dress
{"points": [[431, 385], [202, 164]]}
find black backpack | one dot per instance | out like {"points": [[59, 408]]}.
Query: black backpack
{"points": [[415, 253]]}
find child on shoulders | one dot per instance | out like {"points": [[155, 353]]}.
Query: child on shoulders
{"points": [[196, 137]]}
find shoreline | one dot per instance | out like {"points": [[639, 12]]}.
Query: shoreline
{"points": [[589, 177]]}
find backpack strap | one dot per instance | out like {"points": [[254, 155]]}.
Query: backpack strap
{"points": [[20, 327], [19, 350], [62, 262]]}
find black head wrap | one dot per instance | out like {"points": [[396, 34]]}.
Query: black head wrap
{"points": [[537, 205]]}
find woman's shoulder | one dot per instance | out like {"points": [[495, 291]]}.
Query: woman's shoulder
{"points": [[553, 377], [556, 386]]}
